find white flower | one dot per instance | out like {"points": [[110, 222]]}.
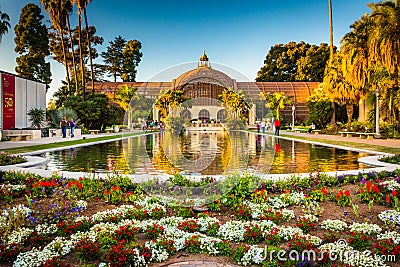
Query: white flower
{"points": [[366, 228], [254, 255], [334, 225], [390, 217], [288, 232], [395, 236], [232, 230]]}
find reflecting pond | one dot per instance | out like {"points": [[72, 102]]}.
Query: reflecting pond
{"points": [[207, 153]]}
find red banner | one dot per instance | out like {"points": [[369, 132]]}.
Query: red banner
{"points": [[8, 101]]}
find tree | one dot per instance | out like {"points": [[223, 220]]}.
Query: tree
{"points": [[276, 101], [294, 62], [132, 57], [114, 57], [331, 48], [319, 107], [32, 43], [236, 102], [37, 116], [4, 24], [82, 5], [123, 97], [58, 13], [311, 67], [170, 99]]}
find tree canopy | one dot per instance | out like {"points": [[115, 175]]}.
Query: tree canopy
{"points": [[4, 24], [294, 62], [32, 43]]}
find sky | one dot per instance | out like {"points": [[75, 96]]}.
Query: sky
{"points": [[237, 33]]}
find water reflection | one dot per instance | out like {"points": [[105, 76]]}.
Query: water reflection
{"points": [[206, 153]]}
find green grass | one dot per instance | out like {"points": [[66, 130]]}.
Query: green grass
{"points": [[34, 148]]}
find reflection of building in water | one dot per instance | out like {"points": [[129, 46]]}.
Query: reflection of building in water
{"points": [[205, 84]]}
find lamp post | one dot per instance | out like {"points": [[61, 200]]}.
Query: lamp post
{"points": [[293, 110], [377, 133]]}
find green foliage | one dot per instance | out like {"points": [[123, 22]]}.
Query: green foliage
{"points": [[276, 101], [4, 24], [94, 112], [132, 58], [320, 111], [6, 159], [122, 58], [32, 43], [294, 62], [37, 116], [174, 124]]}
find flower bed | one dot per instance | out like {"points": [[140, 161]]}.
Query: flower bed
{"points": [[112, 222]]}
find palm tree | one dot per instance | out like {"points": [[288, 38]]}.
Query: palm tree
{"points": [[82, 5], [82, 68], [37, 116], [68, 8], [385, 50], [235, 102], [4, 24], [123, 97], [58, 17], [276, 101], [330, 31]]}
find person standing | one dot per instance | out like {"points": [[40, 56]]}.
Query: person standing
{"points": [[63, 125], [258, 127], [72, 126], [277, 125], [263, 127]]}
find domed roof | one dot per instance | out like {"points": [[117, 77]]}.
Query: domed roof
{"points": [[204, 74]]}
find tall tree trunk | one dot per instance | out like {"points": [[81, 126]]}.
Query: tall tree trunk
{"points": [[81, 58], [330, 32], [89, 47], [333, 119], [65, 60], [73, 55], [350, 110]]}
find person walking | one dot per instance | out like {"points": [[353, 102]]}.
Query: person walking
{"points": [[277, 125], [72, 126], [63, 126], [263, 127]]}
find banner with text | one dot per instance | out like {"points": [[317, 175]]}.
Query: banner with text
{"points": [[8, 101]]}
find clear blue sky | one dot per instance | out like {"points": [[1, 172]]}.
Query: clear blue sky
{"points": [[235, 33]]}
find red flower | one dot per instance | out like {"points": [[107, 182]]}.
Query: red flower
{"points": [[368, 185], [387, 199], [394, 193], [362, 191], [324, 191], [376, 189], [347, 193]]}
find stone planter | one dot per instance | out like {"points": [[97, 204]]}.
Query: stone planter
{"points": [[116, 128]]}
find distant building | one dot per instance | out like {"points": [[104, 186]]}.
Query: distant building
{"points": [[18, 96], [204, 84]]}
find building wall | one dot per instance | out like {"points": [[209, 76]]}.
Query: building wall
{"points": [[27, 94]]}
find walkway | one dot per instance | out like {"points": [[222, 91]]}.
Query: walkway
{"points": [[394, 143], [197, 263]]}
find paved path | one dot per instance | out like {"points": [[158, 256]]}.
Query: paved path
{"points": [[47, 140], [394, 143], [198, 263]]}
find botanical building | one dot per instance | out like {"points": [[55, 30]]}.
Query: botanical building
{"points": [[204, 84]]}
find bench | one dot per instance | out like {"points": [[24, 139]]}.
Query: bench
{"points": [[346, 134], [18, 137], [315, 131], [94, 131], [109, 130], [297, 130], [366, 135]]}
